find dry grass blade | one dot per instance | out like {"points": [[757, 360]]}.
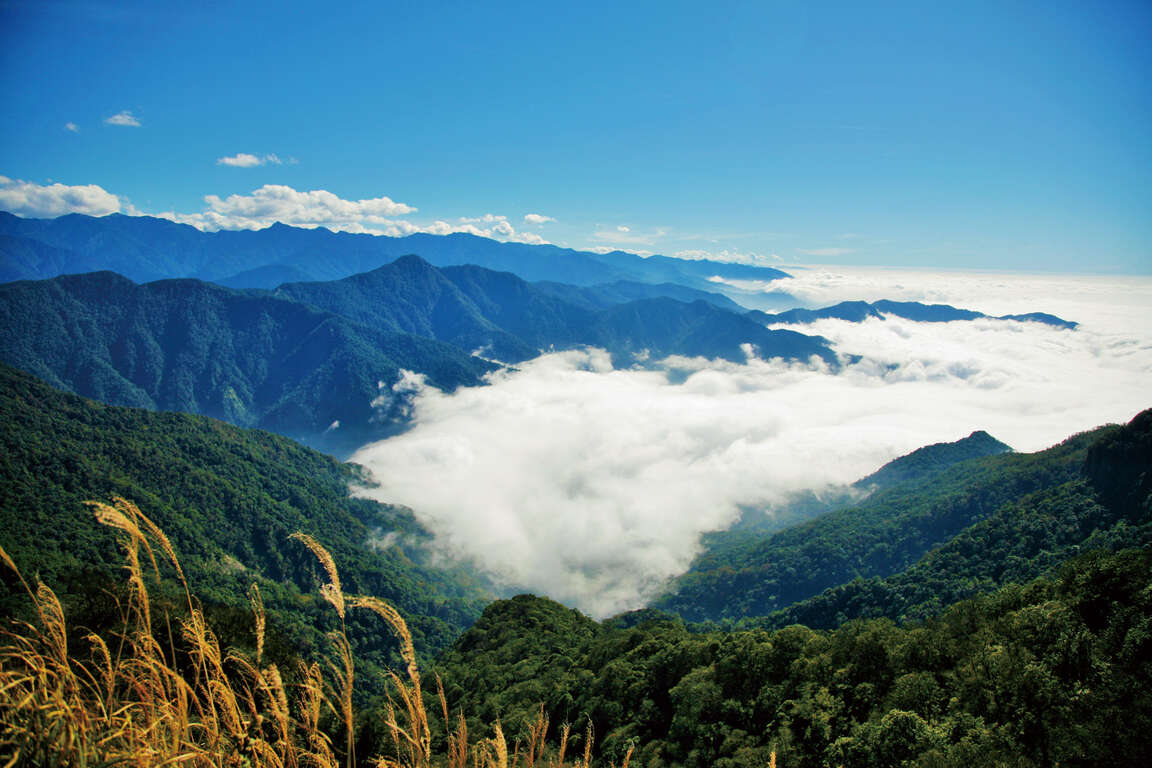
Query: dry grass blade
{"points": [[500, 746], [564, 731], [257, 603], [588, 734], [12, 565], [331, 591], [196, 706], [399, 626]]}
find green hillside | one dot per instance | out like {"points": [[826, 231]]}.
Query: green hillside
{"points": [[228, 498], [1109, 506], [754, 574]]}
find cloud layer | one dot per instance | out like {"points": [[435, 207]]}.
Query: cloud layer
{"points": [[593, 485]]}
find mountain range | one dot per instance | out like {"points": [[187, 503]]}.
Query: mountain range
{"points": [[145, 248]]}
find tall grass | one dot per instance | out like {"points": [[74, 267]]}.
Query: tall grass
{"points": [[135, 702]]}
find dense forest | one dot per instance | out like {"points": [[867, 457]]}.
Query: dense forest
{"points": [[1031, 675]]}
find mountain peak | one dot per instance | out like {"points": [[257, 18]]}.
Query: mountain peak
{"points": [[933, 459], [411, 261]]}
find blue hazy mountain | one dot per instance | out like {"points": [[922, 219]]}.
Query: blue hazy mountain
{"points": [[145, 248], [858, 311], [512, 320], [606, 295]]}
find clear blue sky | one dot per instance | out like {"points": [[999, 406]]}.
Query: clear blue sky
{"points": [[959, 134]]}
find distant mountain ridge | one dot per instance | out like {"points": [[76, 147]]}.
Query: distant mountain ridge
{"points": [[1107, 505], [145, 248], [187, 345], [858, 311], [504, 317]]}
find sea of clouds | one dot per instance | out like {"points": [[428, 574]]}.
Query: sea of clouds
{"points": [[593, 485]]}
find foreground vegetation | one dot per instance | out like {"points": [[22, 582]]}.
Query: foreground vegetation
{"points": [[157, 695], [1032, 675]]}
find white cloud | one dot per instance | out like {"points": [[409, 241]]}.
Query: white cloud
{"points": [[1116, 304], [278, 203], [71, 127], [825, 251], [123, 118], [592, 485], [536, 218], [245, 160], [728, 256], [25, 198], [488, 218], [613, 249], [625, 236]]}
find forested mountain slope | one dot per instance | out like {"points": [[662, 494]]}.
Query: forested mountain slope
{"points": [[1108, 505], [756, 574], [191, 346], [311, 360], [228, 498]]}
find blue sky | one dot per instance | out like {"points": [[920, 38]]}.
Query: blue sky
{"points": [[966, 135]]}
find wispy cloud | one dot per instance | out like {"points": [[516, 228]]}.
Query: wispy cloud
{"points": [[245, 160], [624, 236], [613, 248], [72, 127], [825, 251], [26, 198], [728, 256], [125, 118], [536, 218], [593, 484]]}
